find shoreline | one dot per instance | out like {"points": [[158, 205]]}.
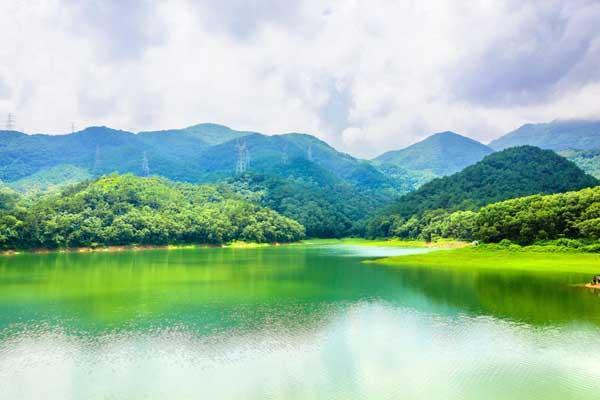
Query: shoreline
{"points": [[135, 247], [441, 245], [591, 286]]}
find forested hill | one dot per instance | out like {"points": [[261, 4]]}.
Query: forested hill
{"points": [[556, 135], [441, 154], [559, 217], [515, 172], [123, 210]]}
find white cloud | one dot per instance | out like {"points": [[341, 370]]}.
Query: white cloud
{"points": [[366, 76]]}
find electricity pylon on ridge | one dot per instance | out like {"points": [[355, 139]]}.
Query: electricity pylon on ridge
{"points": [[145, 166], [243, 157], [309, 154]]}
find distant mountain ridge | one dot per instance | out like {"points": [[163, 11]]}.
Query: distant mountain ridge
{"points": [[200, 153], [442, 154], [210, 152], [556, 135]]}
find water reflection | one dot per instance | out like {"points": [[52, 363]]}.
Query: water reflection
{"points": [[288, 322], [369, 351]]}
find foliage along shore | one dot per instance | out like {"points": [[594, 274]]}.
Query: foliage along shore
{"points": [[137, 247]]}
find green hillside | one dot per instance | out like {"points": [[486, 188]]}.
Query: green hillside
{"points": [[120, 210], [325, 206], [587, 160], [556, 135], [51, 179], [524, 220], [332, 190], [515, 172], [440, 154], [202, 153]]}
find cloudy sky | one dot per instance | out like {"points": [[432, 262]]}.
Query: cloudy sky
{"points": [[366, 75]]}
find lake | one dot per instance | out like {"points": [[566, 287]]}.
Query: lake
{"points": [[289, 322]]}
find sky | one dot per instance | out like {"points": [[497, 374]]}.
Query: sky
{"points": [[365, 75]]}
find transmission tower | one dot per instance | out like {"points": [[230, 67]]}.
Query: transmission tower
{"points": [[309, 155], [10, 122], [72, 127], [97, 159], [243, 158], [284, 157], [145, 167]]}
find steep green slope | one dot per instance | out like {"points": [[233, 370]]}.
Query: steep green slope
{"points": [[51, 179], [514, 172], [441, 154], [556, 135]]}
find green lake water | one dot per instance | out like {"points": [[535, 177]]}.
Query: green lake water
{"points": [[289, 322]]}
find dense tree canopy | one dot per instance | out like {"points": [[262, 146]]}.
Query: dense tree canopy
{"points": [[324, 206], [515, 172], [523, 220], [125, 209]]}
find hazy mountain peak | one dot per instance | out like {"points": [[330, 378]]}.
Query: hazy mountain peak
{"points": [[442, 153], [556, 135]]}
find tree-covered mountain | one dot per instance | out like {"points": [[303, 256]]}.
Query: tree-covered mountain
{"points": [[556, 135], [202, 153], [332, 191], [326, 207], [515, 172], [125, 209], [523, 220], [102, 150], [441, 154]]}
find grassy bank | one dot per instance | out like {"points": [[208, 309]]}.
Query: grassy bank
{"points": [[504, 259]]}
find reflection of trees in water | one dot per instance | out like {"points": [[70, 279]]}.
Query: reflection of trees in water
{"points": [[293, 289], [533, 298], [208, 290]]}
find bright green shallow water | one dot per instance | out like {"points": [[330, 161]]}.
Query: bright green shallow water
{"points": [[292, 322]]}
